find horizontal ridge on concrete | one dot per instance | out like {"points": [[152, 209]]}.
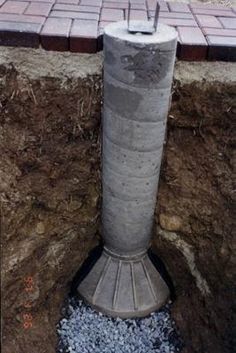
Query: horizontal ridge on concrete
{"points": [[205, 31]]}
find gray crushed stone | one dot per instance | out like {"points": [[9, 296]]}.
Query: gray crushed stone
{"points": [[83, 330]]}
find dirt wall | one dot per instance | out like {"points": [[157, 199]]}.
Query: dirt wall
{"points": [[50, 194]]}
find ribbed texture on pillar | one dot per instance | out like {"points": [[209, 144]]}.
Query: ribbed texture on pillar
{"points": [[138, 72], [124, 288]]}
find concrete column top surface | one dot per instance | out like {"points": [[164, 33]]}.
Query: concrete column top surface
{"points": [[120, 31]]}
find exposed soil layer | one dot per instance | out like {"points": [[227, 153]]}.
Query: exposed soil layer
{"points": [[196, 201], [50, 185], [50, 191]]}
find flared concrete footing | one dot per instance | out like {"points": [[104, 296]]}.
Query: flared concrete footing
{"points": [[124, 287]]}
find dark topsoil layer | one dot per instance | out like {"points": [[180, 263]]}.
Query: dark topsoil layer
{"points": [[50, 187]]}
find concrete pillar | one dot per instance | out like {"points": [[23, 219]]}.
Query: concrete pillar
{"points": [[138, 72]]}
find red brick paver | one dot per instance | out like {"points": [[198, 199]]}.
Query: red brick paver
{"points": [[21, 18], [206, 31], [226, 13], [219, 32], [193, 45], [38, 9], [208, 21], [112, 14], [228, 22], [178, 22], [20, 34], [179, 7], [180, 15], [55, 34], [83, 36], [222, 48], [17, 7]]}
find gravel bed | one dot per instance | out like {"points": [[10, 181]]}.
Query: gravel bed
{"points": [[83, 330]]}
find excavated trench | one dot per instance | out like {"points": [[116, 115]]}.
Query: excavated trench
{"points": [[50, 194]]}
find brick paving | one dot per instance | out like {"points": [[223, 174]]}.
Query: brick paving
{"points": [[206, 31]]}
